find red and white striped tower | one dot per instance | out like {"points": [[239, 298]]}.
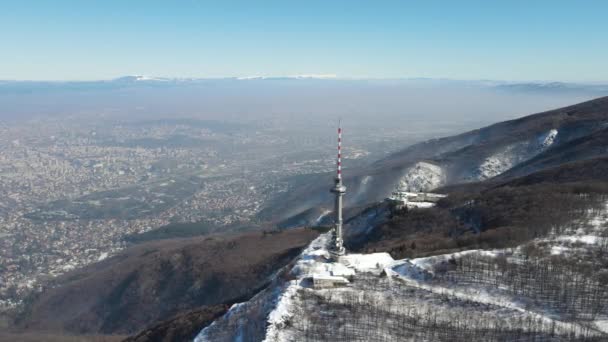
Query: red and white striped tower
{"points": [[337, 245], [339, 166]]}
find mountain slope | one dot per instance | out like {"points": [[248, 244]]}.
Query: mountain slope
{"points": [[521, 260], [183, 327], [469, 156], [586, 147], [494, 214], [154, 281], [541, 275], [526, 144]]}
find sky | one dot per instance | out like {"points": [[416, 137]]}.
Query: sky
{"points": [[512, 40]]}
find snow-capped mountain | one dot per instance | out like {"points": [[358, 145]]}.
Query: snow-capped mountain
{"points": [[304, 76], [503, 86], [141, 78]]}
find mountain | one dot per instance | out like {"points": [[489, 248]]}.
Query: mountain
{"points": [[487, 152], [562, 88], [508, 149], [524, 260], [494, 214], [585, 147], [515, 251], [553, 87], [158, 280]]}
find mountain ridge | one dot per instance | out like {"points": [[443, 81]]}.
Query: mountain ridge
{"points": [[463, 158]]}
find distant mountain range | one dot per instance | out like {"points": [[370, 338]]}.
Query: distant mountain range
{"points": [[141, 80]]}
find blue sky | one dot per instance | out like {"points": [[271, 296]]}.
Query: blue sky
{"points": [[506, 40]]}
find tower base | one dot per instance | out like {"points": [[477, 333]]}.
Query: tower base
{"points": [[335, 255], [336, 246]]}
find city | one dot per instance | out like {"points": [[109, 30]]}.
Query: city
{"points": [[72, 192]]}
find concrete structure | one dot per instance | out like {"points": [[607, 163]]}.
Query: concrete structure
{"points": [[405, 196], [403, 199], [337, 244], [326, 282]]}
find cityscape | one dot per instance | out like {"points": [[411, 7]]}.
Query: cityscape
{"points": [[72, 192]]}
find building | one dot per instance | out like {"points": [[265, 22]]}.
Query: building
{"points": [[326, 281], [403, 199]]}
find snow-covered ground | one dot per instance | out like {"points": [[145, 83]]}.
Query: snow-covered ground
{"points": [[512, 155], [496, 164], [423, 176], [323, 214], [405, 300], [416, 272], [283, 321], [583, 242], [581, 237], [316, 261], [421, 274]]}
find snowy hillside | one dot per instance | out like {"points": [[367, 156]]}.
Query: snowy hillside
{"points": [[426, 176], [545, 277], [512, 155], [474, 295], [423, 176]]}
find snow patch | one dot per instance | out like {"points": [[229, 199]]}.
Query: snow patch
{"points": [[421, 205], [602, 325], [322, 216], [233, 311], [422, 177], [304, 76], [282, 312], [558, 250], [411, 271], [547, 139], [368, 262], [496, 164], [102, 256], [586, 239], [429, 263], [513, 154], [567, 243]]}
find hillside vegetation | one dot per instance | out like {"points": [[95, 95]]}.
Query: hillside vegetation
{"points": [[155, 281]]}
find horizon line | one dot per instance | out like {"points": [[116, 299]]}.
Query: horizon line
{"points": [[326, 77]]}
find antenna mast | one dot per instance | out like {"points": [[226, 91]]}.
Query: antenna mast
{"points": [[337, 244]]}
